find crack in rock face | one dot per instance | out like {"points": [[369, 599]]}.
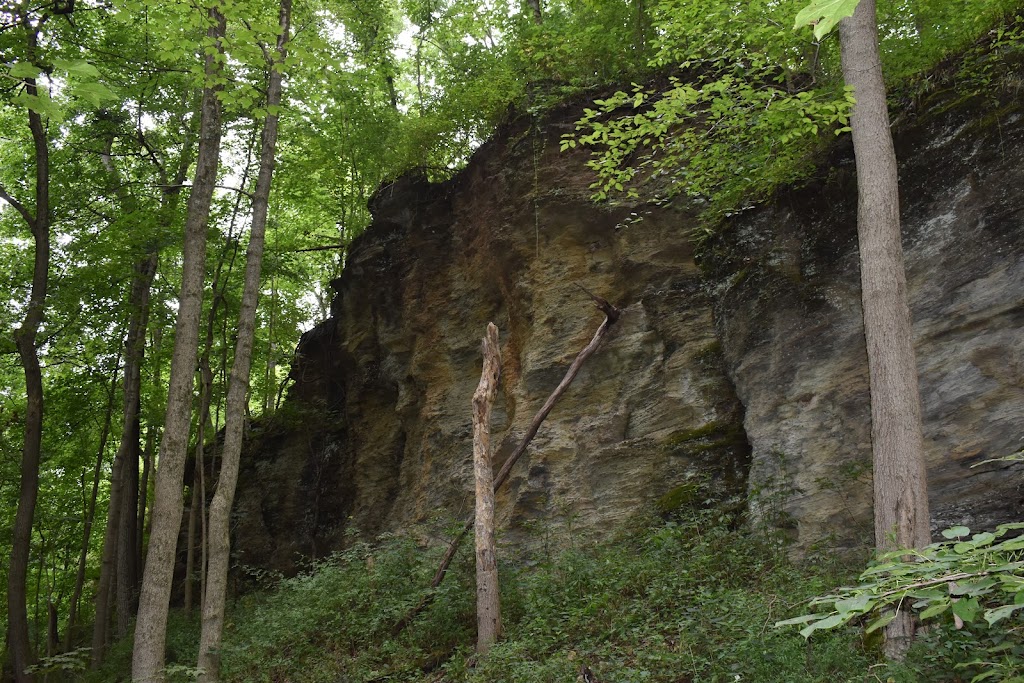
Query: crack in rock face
{"points": [[743, 376]]}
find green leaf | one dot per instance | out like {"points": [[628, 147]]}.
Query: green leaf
{"points": [[966, 609], [802, 619], [934, 610], [24, 70], [856, 604], [956, 532], [78, 68], [826, 623], [43, 106], [93, 93], [880, 622], [824, 15], [982, 539], [999, 613]]}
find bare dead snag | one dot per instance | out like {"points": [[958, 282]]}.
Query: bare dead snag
{"points": [[488, 604], [611, 315]]}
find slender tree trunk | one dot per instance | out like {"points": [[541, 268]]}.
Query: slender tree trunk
{"points": [[900, 486], [238, 385], [270, 385], [488, 603], [25, 339], [127, 577], [90, 512], [52, 636], [151, 623], [125, 462], [190, 540], [147, 464], [535, 7]]}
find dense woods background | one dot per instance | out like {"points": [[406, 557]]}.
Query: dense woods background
{"points": [[101, 126]]}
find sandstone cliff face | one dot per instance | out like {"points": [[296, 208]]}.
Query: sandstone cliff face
{"points": [[751, 364], [787, 307]]}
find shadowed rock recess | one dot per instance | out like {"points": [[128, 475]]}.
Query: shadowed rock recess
{"points": [[748, 371]]}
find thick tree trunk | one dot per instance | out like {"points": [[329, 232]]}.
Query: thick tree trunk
{"points": [[488, 599], [151, 624], [25, 339], [238, 387], [900, 487]]}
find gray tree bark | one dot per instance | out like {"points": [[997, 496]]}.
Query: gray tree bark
{"points": [[151, 624], [488, 598], [219, 538], [900, 485]]}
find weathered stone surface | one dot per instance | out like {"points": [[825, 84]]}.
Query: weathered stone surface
{"points": [[380, 428], [376, 435], [788, 311]]}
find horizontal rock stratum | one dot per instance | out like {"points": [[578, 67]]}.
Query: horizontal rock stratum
{"points": [[745, 374]]}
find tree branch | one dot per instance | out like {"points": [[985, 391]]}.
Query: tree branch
{"points": [[611, 315], [18, 206]]}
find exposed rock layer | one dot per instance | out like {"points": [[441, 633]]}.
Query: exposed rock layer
{"points": [[760, 353]]}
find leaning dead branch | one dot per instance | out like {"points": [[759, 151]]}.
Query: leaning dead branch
{"points": [[611, 314]]}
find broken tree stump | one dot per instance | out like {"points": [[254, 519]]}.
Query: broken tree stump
{"points": [[488, 602], [611, 314]]}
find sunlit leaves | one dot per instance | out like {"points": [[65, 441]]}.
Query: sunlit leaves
{"points": [[742, 118], [824, 15], [24, 70]]}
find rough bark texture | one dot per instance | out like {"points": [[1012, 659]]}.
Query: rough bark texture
{"points": [[38, 221], [151, 625], [900, 485], [488, 602], [219, 538]]}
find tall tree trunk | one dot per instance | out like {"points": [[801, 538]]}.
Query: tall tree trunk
{"points": [[190, 539], [127, 577], [52, 636], [238, 385], [270, 385], [90, 511], [126, 460], [535, 8], [147, 465], [25, 339], [151, 623], [488, 603], [900, 486]]}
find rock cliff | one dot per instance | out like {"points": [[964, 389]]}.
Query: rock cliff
{"points": [[742, 370]]}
